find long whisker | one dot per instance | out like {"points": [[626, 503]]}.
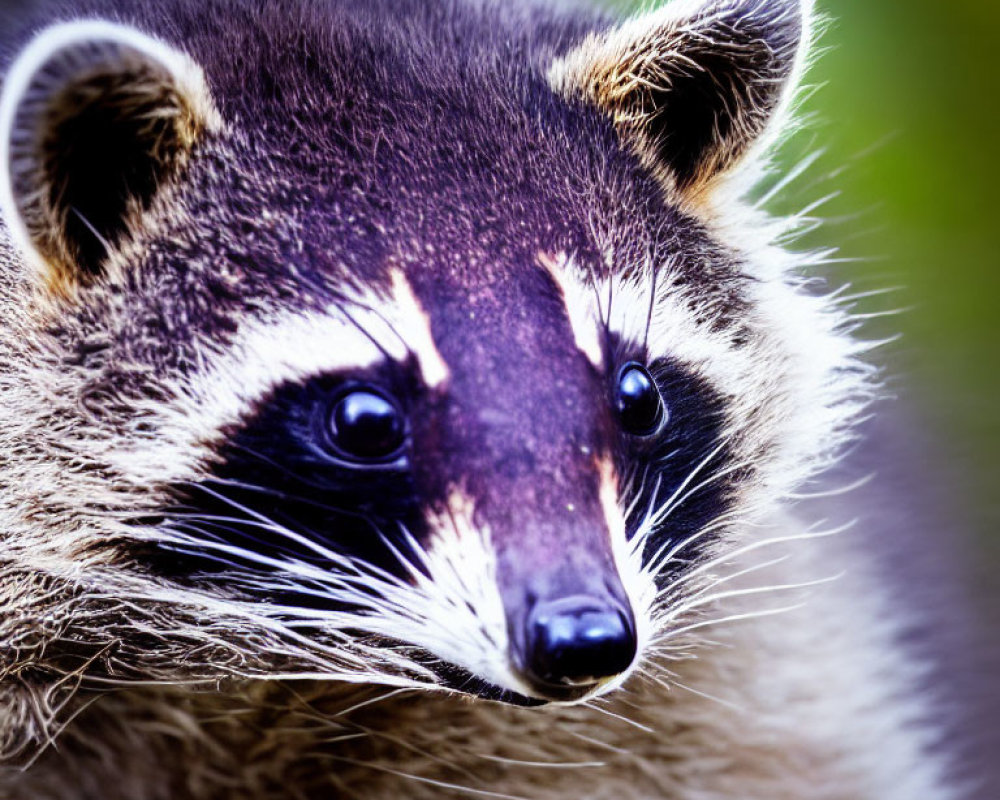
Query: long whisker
{"points": [[730, 618], [669, 551], [670, 508], [750, 548], [708, 599], [725, 703], [271, 525], [668, 504], [743, 572], [653, 275], [593, 704], [541, 764]]}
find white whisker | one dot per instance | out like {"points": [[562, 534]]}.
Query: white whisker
{"points": [[728, 619], [593, 704], [541, 764]]}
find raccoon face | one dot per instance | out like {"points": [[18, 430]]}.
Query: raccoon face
{"points": [[353, 361]]}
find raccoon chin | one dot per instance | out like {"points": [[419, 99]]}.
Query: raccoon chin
{"points": [[461, 680]]}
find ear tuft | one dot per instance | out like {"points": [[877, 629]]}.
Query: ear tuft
{"points": [[694, 85], [94, 119]]}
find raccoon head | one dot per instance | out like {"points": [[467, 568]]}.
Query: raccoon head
{"points": [[331, 353]]}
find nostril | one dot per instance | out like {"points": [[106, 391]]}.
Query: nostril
{"points": [[578, 641]]}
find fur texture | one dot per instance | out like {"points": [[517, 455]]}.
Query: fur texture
{"points": [[491, 209]]}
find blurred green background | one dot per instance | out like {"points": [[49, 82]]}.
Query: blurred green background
{"points": [[910, 108], [906, 110], [904, 114]]}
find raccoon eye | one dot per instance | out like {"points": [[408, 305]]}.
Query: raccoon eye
{"points": [[637, 400], [364, 425]]}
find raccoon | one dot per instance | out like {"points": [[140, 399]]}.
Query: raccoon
{"points": [[403, 398]]}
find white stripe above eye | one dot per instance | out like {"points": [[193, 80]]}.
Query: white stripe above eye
{"points": [[648, 308], [267, 353], [413, 328], [274, 349], [581, 308]]}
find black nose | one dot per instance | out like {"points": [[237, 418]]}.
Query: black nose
{"points": [[577, 641]]}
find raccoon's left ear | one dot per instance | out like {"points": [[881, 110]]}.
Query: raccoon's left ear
{"points": [[95, 118], [693, 85]]}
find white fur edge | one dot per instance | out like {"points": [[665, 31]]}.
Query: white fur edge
{"points": [[415, 326], [624, 306], [782, 118], [640, 586], [59, 37], [464, 604]]}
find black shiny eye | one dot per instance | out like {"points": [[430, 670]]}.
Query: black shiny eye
{"points": [[637, 400], [364, 426]]}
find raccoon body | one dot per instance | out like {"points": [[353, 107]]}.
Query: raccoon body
{"points": [[402, 399]]}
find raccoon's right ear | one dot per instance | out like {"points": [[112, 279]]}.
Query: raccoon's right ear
{"points": [[694, 86], [95, 118]]}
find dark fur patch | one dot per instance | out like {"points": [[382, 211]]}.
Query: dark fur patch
{"points": [[689, 465], [523, 466], [278, 483]]}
